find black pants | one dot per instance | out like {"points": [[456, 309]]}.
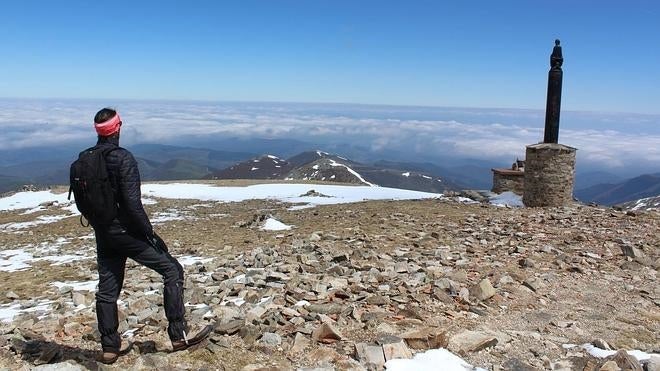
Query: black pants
{"points": [[113, 246]]}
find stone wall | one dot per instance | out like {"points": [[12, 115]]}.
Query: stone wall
{"points": [[508, 180], [549, 175]]}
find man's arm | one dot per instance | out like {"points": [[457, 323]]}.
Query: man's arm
{"points": [[129, 187]]}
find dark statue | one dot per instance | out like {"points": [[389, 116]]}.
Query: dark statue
{"points": [[556, 59], [553, 104]]}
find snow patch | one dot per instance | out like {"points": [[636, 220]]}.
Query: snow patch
{"points": [[42, 219], [236, 301], [77, 285], [300, 207], [434, 359], [406, 174], [254, 168], [190, 260], [149, 201], [14, 260], [338, 194], [30, 200], [166, 217], [507, 199], [360, 178], [62, 259], [275, 225], [603, 353], [9, 311]]}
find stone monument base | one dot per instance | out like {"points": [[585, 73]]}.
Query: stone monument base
{"points": [[549, 175]]}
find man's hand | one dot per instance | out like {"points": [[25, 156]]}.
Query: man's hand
{"points": [[157, 242]]}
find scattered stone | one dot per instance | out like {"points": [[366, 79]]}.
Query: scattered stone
{"points": [[514, 364], [329, 308], [340, 258], [423, 339], [326, 333], [396, 349], [484, 290], [370, 355], [271, 339], [79, 298], [415, 271], [563, 365], [609, 366], [625, 361], [62, 366], [249, 334], [602, 344], [300, 342], [632, 251], [470, 341], [532, 284], [229, 328], [653, 363]]}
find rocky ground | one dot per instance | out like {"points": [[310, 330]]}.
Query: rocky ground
{"points": [[350, 286]]}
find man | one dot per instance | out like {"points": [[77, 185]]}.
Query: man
{"points": [[130, 235]]}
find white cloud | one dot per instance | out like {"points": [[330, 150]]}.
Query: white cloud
{"points": [[608, 139]]}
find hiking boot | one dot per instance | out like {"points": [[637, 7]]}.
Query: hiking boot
{"points": [[111, 357], [187, 342]]}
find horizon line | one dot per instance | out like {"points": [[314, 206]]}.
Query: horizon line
{"points": [[156, 100]]}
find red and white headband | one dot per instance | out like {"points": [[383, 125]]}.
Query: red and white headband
{"points": [[108, 127]]}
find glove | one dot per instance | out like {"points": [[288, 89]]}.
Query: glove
{"points": [[157, 242]]}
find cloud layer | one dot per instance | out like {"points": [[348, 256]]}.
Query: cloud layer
{"points": [[610, 140]]}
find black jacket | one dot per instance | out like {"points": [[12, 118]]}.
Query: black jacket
{"points": [[125, 179]]}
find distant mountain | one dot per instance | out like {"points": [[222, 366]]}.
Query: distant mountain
{"points": [[181, 169], [43, 172], [592, 178], [328, 168], [10, 183], [475, 176], [322, 166], [42, 166], [199, 156], [255, 146], [643, 186], [262, 167], [307, 157], [643, 204]]}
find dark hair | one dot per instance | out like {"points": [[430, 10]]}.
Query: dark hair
{"points": [[104, 115]]}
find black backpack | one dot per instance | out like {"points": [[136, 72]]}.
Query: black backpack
{"points": [[91, 186]]}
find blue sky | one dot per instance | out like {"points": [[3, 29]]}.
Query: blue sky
{"points": [[431, 53]]}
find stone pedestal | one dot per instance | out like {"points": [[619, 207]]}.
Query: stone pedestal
{"points": [[549, 175]]}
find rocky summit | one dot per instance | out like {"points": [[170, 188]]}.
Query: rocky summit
{"points": [[348, 287]]}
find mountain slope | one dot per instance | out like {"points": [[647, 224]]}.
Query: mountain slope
{"points": [[263, 167], [643, 186], [200, 156], [322, 166], [10, 183], [643, 204]]}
